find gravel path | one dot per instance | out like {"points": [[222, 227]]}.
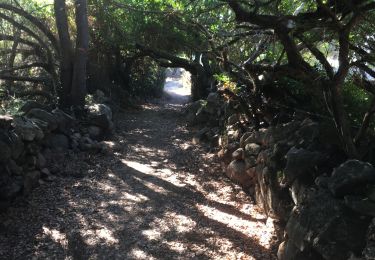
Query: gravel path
{"points": [[153, 195]]}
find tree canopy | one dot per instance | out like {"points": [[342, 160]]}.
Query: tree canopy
{"points": [[316, 55]]}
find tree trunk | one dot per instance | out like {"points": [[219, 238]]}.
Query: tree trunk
{"points": [[78, 91], [66, 52]]}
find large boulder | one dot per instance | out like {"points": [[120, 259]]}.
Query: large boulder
{"points": [[45, 116], [308, 131], [351, 178], [31, 104], [301, 164], [27, 129], [323, 224], [64, 121], [100, 115]]}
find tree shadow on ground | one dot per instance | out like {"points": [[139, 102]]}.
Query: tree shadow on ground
{"points": [[137, 204]]}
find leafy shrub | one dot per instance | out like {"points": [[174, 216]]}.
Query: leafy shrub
{"points": [[147, 78], [356, 101], [11, 105]]}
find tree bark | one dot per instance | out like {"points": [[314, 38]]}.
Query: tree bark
{"points": [[79, 90], [66, 52]]}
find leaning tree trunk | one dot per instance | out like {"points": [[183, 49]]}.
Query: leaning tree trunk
{"points": [[79, 90]]}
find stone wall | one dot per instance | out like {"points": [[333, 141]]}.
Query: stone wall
{"points": [[29, 141], [322, 206]]}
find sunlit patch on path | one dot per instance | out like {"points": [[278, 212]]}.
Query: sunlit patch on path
{"points": [[177, 85], [154, 195]]}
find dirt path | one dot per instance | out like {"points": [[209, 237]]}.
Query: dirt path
{"points": [[153, 196]]}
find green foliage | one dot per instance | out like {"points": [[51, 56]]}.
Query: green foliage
{"points": [[357, 102], [147, 78], [11, 106], [89, 99], [226, 82]]}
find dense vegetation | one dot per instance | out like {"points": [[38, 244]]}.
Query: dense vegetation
{"points": [[274, 56]]}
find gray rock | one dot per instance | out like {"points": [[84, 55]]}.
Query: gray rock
{"points": [[300, 164], [322, 181], [298, 191], [309, 130], [95, 132], [30, 162], [324, 224], [238, 154], [197, 113], [41, 161], [6, 152], [214, 98], [287, 251], [55, 141], [275, 202], [369, 251], [232, 120], [201, 135], [31, 181], [234, 135], [362, 206], [252, 173], [236, 171], [64, 121], [32, 148], [46, 175], [30, 104], [88, 145], [371, 192], [225, 154], [250, 161], [45, 116], [100, 115], [351, 178], [27, 129], [257, 137], [43, 125], [243, 138], [14, 168], [10, 190], [5, 122], [252, 149], [17, 145]]}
